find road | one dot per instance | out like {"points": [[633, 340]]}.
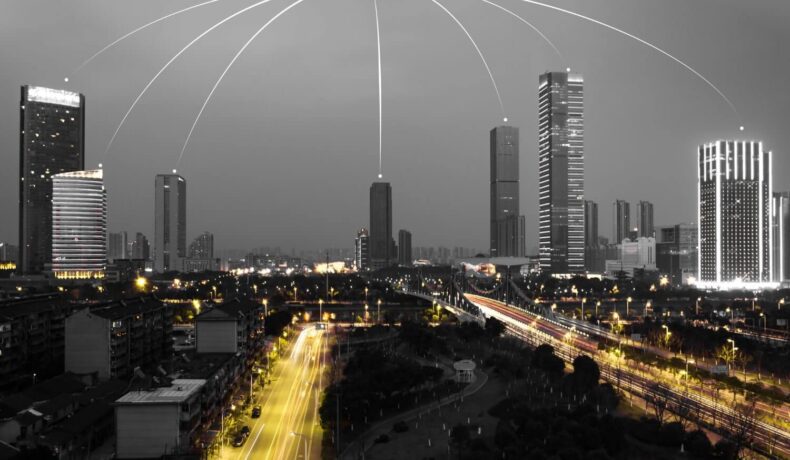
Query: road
{"points": [[289, 426], [536, 330]]}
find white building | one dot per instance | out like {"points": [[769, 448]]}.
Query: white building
{"points": [[79, 225], [639, 254], [158, 421], [735, 190]]}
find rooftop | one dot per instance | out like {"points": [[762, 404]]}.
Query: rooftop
{"points": [[127, 307], [230, 309], [13, 308], [178, 392]]}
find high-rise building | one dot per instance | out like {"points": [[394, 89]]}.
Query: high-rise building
{"points": [[202, 247], [561, 172], [51, 141], [644, 219], [119, 246], [140, 248], [79, 225], [676, 253], [382, 253], [594, 256], [621, 221], [505, 235], [170, 223], [735, 189], [362, 250], [404, 248], [781, 231]]}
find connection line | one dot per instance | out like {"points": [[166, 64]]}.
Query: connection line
{"points": [[183, 50], [224, 72], [145, 26], [480, 53], [378, 48], [532, 26], [642, 41]]}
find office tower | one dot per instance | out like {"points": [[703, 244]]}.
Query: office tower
{"points": [[140, 248], [51, 141], [621, 217], [594, 257], [361, 250], [404, 248], [381, 242], [202, 247], [676, 252], [170, 223], [119, 246], [504, 192], [781, 231], [735, 218], [79, 225], [644, 219], [9, 253], [561, 172]]}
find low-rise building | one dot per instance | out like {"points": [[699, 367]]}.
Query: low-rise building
{"points": [[233, 327]]}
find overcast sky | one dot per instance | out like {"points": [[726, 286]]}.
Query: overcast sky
{"points": [[285, 153]]}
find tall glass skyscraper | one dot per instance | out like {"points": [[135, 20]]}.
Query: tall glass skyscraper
{"points": [[621, 221], [382, 246], [505, 225], [561, 172], [170, 223], [51, 141], [79, 225], [644, 219], [735, 189]]}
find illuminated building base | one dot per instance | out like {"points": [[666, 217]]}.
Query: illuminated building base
{"points": [[79, 275], [735, 286]]}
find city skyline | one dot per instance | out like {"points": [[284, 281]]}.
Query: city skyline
{"points": [[654, 174]]}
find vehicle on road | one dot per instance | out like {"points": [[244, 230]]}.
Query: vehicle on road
{"points": [[256, 412]]}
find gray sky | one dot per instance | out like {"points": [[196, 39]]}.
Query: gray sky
{"points": [[285, 153]]}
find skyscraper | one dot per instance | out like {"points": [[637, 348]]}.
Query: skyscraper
{"points": [[140, 248], [404, 248], [362, 250], [202, 247], [644, 219], [561, 172], [51, 141], [119, 246], [382, 246], [735, 218], [170, 223], [621, 221], [590, 223], [781, 231], [79, 225], [504, 192]]}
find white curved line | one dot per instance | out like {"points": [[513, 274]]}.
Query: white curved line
{"points": [[480, 53], [644, 42], [224, 72], [184, 49], [87, 61], [532, 26], [378, 47]]}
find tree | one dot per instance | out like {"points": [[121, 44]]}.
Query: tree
{"points": [[460, 435], [657, 398], [494, 327], [585, 374]]}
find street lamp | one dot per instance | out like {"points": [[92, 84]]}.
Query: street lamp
{"points": [[584, 299], [320, 310], [734, 348], [781, 302], [696, 311], [667, 334], [753, 301], [627, 305], [732, 313], [378, 313], [597, 305], [648, 305], [765, 321]]}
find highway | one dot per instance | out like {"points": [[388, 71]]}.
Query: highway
{"points": [[289, 427], [569, 343]]}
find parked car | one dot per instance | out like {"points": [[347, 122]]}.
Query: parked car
{"points": [[256, 411], [245, 430], [239, 440]]}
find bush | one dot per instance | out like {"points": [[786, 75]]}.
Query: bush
{"points": [[672, 434], [400, 427], [698, 445]]}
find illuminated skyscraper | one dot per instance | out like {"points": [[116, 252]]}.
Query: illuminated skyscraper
{"points": [[505, 234], [735, 215], [382, 246], [781, 231], [561, 172], [79, 225], [621, 221], [51, 141], [362, 250], [170, 223], [644, 219]]}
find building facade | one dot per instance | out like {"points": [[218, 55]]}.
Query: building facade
{"points": [[644, 220], [404, 248], [79, 225], [621, 221], [676, 253], [362, 250], [382, 246], [170, 223], [118, 246], [504, 221], [735, 216], [51, 141], [639, 254], [781, 231], [140, 248], [202, 247], [561, 172]]}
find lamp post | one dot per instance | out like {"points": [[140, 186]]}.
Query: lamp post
{"points": [[765, 322], [666, 336], [597, 305], [320, 310], [378, 312], [754, 299], [734, 349], [627, 306], [696, 310], [584, 299], [781, 302], [648, 305]]}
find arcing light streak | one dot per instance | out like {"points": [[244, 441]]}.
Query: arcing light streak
{"points": [[485, 63], [183, 50], [224, 72], [532, 26], [145, 26], [644, 42], [378, 49]]}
